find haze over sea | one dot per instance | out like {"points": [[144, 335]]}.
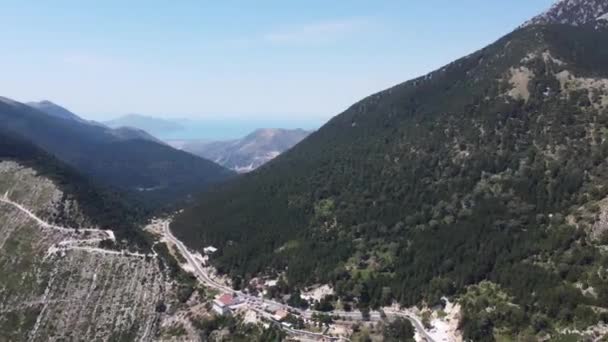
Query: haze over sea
{"points": [[221, 129]]}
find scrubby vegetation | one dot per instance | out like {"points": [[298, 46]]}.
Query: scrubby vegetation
{"points": [[474, 172], [108, 209], [399, 330], [186, 282], [230, 328]]}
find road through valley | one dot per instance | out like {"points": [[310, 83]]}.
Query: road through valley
{"points": [[258, 303]]}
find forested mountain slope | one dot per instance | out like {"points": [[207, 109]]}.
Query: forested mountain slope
{"points": [[122, 133], [153, 172], [99, 206], [492, 168]]}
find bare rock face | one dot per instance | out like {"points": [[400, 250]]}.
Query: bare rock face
{"points": [[600, 227], [248, 153], [23, 185], [84, 293], [572, 12]]}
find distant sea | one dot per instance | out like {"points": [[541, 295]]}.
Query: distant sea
{"points": [[230, 129]]}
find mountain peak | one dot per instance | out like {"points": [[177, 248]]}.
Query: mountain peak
{"points": [[46, 103], [572, 12], [54, 109]]}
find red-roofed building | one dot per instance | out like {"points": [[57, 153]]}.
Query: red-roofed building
{"points": [[222, 304], [280, 315]]}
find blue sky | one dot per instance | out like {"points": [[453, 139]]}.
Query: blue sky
{"points": [[306, 60]]}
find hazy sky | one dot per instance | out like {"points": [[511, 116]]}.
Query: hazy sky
{"points": [[235, 59]]}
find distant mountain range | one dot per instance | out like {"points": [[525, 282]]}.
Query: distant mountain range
{"points": [[248, 153], [124, 133], [241, 155], [155, 126], [124, 158]]}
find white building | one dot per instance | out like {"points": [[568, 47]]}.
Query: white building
{"points": [[209, 250]]}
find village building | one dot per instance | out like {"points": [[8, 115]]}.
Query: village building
{"points": [[257, 284], [280, 315], [209, 250], [223, 304]]}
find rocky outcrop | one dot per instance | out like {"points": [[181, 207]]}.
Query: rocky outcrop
{"points": [[50, 294], [572, 12], [248, 153]]}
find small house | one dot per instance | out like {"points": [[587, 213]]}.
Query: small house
{"points": [[222, 304], [209, 250], [280, 315]]}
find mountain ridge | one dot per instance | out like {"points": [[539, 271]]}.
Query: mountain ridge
{"points": [[250, 152], [123, 133], [572, 12], [54, 110], [129, 164]]}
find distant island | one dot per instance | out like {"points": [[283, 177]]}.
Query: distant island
{"points": [[153, 125]]}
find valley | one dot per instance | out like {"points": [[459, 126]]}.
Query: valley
{"points": [[71, 282], [466, 204], [259, 304], [70, 279]]}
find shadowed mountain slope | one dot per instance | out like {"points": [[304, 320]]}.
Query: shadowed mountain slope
{"points": [[153, 172]]}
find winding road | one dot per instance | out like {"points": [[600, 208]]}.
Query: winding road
{"points": [[72, 244], [44, 224], [208, 281], [353, 315]]}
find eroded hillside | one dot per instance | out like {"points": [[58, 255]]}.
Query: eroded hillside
{"points": [[57, 284], [64, 279]]}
